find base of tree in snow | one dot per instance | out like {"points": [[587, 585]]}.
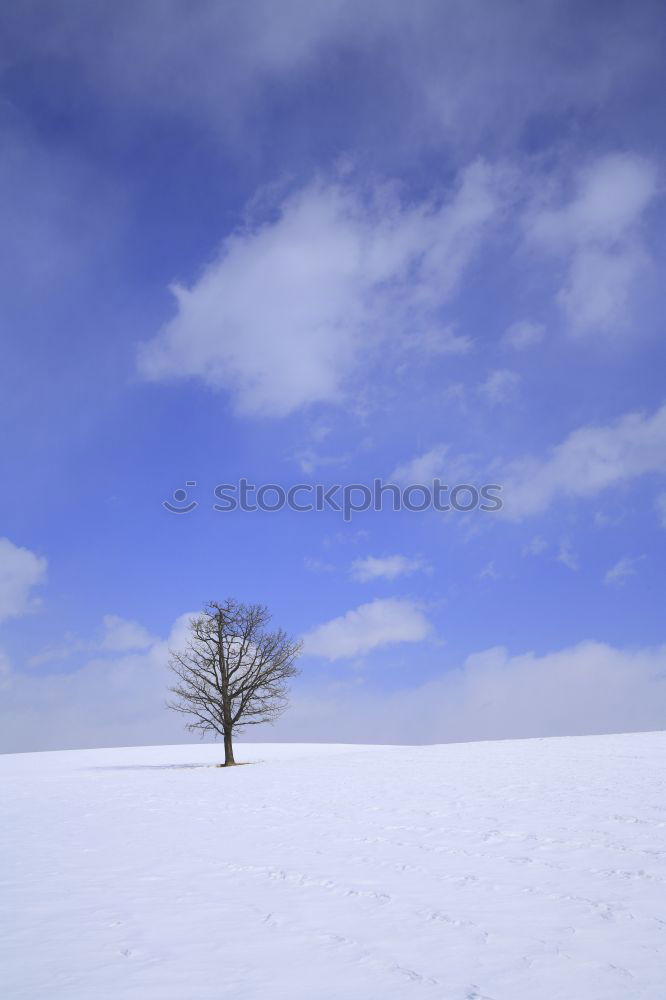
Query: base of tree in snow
{"points": [[524, 870]]}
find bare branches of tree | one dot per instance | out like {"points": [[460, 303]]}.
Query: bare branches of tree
{"points": [[233, 672]]}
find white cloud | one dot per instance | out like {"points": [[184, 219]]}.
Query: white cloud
{"points": [[590, 460], [113, 699], [367, 627], [119, 700], [440, 341], [63, 651], [523, 334], [20, 572], [386, 567], [611, 193], [310, 459], [622, 569], [535, 546], [423, 468], [121, 635], [117, 635], [489, 572], [597, 233], [567, 556], [284, 314], [590, 688], [499, 386], [600, 282], [437, 463]]}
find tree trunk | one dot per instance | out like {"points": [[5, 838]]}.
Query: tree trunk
{"points": [[228, 750]]}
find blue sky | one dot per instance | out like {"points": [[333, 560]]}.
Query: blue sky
{"points": [[328, 243]]}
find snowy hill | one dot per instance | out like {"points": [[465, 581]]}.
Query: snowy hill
{"points": [[527, 870]]}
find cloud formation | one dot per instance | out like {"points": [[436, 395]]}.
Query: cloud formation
{"points": [[587, 462], [115, 697], [567, 555], [281, 317], [367, 627], [118, 635], [119, 699], [422, 468], [499, 386], [20, 572], [597, 234], [523, 334], [622, 569], [121, 635], [385, 567], [145, 59], [585, 689]]}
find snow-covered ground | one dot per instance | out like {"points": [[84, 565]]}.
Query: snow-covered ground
{"points": [[527, 870]]}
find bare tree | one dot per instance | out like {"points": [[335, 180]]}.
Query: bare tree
{"points": [[233, 672]]}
